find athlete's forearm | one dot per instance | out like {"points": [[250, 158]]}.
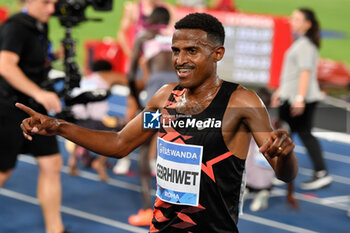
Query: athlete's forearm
{"points": [[101, 142]]}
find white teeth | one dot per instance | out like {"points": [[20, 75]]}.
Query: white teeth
{"points": [[184, 70]]}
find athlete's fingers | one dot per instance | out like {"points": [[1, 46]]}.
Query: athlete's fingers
{"points": [[27, 136], [26, 109], [286, 142], [274, 148], [25, 126], [277, 144], [45, 125], [265, 145], [26, 130], [287, 149]]}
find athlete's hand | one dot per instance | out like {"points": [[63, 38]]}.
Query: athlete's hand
{"points": [[37, 123], [278, 144]]}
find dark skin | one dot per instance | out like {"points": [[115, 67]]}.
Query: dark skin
{"points": [[195, 59], [158, 63]]}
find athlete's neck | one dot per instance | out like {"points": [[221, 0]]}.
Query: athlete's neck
{"points": [[194, 101], [205, 89]]}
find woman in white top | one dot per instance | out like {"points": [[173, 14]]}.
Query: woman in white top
{"points": [[299, 91]]}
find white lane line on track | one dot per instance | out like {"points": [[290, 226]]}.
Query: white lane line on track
{"points": [[327, 155], [275, 224], [275, 192], [90, 176], [315, 200], [127, 227], [74, 212]]}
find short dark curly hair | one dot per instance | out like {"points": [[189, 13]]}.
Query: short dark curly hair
{"points": [[160, 15], [208, 23]]}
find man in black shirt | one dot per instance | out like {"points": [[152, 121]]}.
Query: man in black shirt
{"points": [[23, 69]]}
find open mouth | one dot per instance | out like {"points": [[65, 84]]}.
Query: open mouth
{"points": [[183, 72]]}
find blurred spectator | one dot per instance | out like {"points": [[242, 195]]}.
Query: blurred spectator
{"points": [[134, 20], [259, 174], [155, 45], [299, 91], [258, 171], [93, 115], [24, 64]]}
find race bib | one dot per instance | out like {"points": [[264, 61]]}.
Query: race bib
{"points": [[178, 172]]}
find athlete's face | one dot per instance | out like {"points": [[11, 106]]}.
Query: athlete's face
{"points": [[41, 9], [194, 57], [298, 23]]}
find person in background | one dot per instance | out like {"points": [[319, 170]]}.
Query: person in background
{"points": [[299, 92], [154, 44], [259, 174], [94, 115], [133, 21], [24, 65]]}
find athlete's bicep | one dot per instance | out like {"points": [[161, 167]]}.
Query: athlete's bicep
{"points": [[256, 118], [134, 134]]}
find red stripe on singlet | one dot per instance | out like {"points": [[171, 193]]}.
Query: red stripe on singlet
{"points": [[209, 168]]}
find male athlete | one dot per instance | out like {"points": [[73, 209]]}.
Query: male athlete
{"points": [[205, 130]]}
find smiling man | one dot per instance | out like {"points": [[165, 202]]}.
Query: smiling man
{"points": [[199, 166]]}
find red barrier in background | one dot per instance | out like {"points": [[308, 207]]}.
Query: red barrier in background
{"points": [[333, 73], [281, 42], [226, 5], [4, 14], [108, 50]]}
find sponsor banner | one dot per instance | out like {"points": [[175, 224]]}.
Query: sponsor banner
{"points": [[179, 153]]}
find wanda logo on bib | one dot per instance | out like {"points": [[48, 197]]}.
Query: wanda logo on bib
{"points": [[178, 172]]}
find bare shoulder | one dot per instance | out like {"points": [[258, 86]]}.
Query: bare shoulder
{"points": [[146, 35], [245, 98], [161, 96]]}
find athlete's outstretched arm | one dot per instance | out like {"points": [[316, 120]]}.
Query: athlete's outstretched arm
{"points": [[112, 144], [276, 145], [108, 143]]}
